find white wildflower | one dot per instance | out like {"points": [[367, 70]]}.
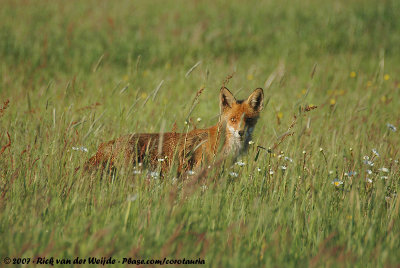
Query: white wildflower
{"points": [[288, 159], [233, 174], [383, 169], [369, 163], [240, 163], [391, 127], [191, 172], [369, 171], [337, 182], [83, 149], [376, 152], [154, 174]]}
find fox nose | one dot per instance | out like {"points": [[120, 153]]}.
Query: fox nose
{"points": [[241, 133]]}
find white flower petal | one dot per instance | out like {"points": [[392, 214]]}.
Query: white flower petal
{"points": [[233, 174], [383, 169]]}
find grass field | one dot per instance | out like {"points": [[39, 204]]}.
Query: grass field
{"points": [[78, 73]]}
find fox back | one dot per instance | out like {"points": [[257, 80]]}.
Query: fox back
{"points": [[231, 135]]}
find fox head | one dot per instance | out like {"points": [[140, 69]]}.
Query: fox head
{"points": [[240, 117]]}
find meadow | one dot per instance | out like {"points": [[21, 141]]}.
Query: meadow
{"points": [[74, 74]]}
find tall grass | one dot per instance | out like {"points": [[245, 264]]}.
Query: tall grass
{"points": [[79, 73]]}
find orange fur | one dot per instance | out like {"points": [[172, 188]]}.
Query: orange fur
{"points": [[229, 136]]}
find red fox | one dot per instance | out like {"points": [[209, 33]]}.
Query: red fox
{"points": [[231, 135]]}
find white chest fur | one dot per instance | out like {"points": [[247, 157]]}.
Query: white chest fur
{"points": [[236, 143]]}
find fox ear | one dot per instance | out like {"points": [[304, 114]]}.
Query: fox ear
{"points": [[226, 98], [255, 100]]}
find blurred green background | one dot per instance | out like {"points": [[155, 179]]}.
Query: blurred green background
{"points": [[77, 73]]}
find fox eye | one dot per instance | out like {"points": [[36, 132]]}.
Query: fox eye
{"points": [[233, 119]]}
